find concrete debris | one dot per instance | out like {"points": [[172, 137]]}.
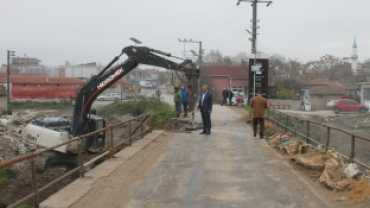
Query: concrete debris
{"points": [[342, 198], [32, 147], [4, 121], [183, 125], [351, 170], [12, 133], [22, 148]]}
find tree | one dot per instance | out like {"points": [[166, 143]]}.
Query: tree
{"points": [[227, 61], [283, 93], [239, 57], [214, 57], [293, 84], [278, 61]]}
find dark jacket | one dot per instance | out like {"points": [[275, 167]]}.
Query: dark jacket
{"points": [[207, 102], [231, 94], [225, 93]]}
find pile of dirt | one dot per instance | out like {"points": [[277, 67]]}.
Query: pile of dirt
{"points": [[328, 167], [359, 190]]}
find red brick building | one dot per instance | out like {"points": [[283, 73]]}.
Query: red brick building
{"points": [[220, 77], [236, 77], [42, 87]]}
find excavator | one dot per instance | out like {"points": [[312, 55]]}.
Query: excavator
{"points": [[51, 131]]}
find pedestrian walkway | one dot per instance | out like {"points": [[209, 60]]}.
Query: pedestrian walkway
{"points": [[82, 186]]}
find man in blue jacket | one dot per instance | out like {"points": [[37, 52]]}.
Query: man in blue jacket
{"points": [[205, 107], [185, 100]]}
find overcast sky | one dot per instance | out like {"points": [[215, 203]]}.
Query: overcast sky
{"points": [[83, 31]]}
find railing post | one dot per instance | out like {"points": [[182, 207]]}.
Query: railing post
{"points": [[327, 138], [279, 119], [307, 130], [286, 123], [34, 183], [110, 141], [295, 126], [141, 127], [268, 113], [79, 155], [129, 133], [273, 116], [353, 147]]}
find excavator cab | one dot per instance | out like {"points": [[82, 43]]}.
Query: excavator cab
{"points": [[96, 142]]}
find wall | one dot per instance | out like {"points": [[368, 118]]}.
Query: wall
{"points": [[320, 103], [218, 85], [43, 91]]}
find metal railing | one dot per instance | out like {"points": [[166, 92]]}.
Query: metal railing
{"points": [[283, 120], [132, 134]]}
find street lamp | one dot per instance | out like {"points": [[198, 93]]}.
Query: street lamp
{"points": [[194, 53], [136, 41], [9, 54]]}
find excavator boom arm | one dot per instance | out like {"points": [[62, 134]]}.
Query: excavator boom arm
{"points": [[109, 75]]}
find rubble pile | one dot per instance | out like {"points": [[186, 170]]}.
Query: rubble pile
{"points": [[335, 171], [182, 125], [12, 134]]}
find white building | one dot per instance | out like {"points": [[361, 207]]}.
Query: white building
{"points": [[354, 57], [80, 71]]}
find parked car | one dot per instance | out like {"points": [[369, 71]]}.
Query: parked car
{"points": [[330, 104], [347, 105], [110, 96]]}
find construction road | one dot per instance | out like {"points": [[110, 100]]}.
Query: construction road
{"points": [[229, 168]]}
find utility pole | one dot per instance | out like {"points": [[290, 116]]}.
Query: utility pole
{"points": [[254, 36], [200, 48], [9, 54], [197, 87], [254, 21]]}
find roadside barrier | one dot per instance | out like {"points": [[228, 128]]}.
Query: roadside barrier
{"points": [[133, 133], [303, 129]]}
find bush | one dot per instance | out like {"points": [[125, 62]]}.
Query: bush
{"points": [[160, 111], [6, 175]]}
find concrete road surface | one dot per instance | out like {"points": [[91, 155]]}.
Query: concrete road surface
{"points": [[229, 168]]}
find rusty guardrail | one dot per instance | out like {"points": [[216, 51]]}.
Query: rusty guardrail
{"points": [[276, 118], [132, 134]]}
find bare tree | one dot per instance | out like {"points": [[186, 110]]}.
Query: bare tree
{"points": [[214, 57], [239, 57]]}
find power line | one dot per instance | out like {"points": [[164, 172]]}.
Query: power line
{"points": [[220, 25], [225, 35], [214, 21]]}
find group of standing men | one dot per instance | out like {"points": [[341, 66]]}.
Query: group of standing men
{"points": [[227, 94], [257, 103], [181, 97]]}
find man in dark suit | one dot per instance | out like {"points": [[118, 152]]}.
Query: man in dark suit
{"points": [[205, 107], [225, 95]]}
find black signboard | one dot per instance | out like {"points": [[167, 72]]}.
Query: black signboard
{"points": [[261, 77]]}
